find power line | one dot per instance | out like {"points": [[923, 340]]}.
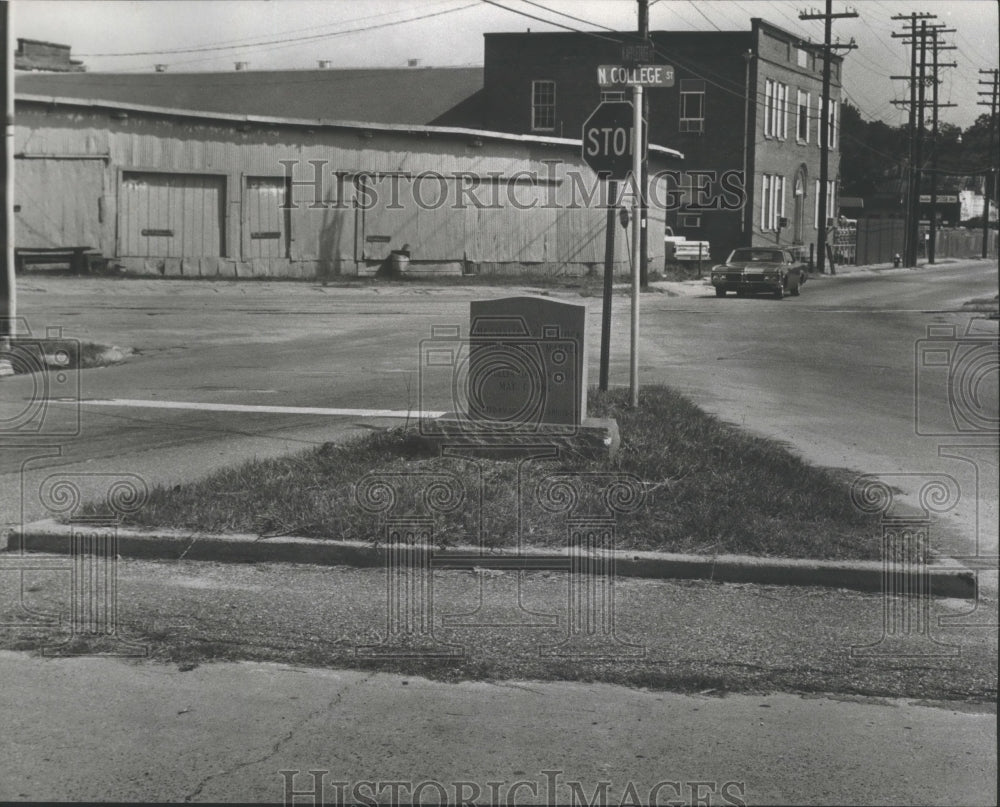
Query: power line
{"points": [[252, 41], [703, 14], [291, 40], [567, 16], [551, 22]]}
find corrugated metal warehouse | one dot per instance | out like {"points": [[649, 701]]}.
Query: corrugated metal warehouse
{"points": [[174, 192]]}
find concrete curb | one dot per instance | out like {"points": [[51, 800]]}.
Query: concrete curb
{"points": [[946, 578]]}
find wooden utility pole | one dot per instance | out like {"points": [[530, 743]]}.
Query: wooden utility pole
{"points": [[990, 180], [824, 124], [8, 286], [915, 133], [936, 30]]}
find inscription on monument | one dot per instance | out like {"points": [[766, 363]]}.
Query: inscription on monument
{"points": [[527, 362]]}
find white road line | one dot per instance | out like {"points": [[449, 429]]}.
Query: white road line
{"points": [[275, 410]]}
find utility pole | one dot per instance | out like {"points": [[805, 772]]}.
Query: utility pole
{"points": [[824, 124], [8, 287], [915, 138], [644, 179], [990, 180], [936, 30]]}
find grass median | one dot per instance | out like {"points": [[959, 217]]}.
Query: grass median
{"points": [[708, 488]]}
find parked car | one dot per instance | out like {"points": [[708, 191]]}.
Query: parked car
{"points": [[752, 270]]}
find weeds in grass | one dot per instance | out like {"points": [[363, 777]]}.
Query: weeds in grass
{"points": [[709, 488]]}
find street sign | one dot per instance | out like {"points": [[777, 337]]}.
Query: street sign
{"points": [[637, 53], [643, 75], [608, 138]]}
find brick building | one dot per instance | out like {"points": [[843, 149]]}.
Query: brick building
{"points": [[743, 101], [34, 54]]}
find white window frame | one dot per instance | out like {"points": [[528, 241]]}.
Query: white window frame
{"points": [[691, 87], [832, 136], [782, 122], [802, 109], [772, 202], [831, 193], [689, 221], [535, 106], [769, 85], [802, 58]]}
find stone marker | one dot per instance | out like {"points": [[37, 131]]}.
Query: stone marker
{"points": [[528, 362], [526, 383]]}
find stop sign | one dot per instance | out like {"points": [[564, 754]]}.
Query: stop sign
{"points": [[607, 139]]}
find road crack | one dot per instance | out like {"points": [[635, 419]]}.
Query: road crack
{"points": [[276, 746]]}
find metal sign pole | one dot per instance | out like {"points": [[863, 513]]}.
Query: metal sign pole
{"points": [[8, 284], [636, 239]]}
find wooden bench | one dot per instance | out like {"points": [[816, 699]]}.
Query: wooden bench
{"points": [[80, 259]]}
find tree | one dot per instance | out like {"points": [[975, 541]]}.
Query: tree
{"points": [[872, 153]]}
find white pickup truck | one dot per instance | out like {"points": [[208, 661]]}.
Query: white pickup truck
{"points": [[678, 248]]}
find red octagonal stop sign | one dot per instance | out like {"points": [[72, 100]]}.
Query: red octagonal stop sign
{"points": [[607, 139]]}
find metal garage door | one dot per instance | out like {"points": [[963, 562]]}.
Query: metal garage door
{"points": [[171, 215], [265, 219], [58, 202]]}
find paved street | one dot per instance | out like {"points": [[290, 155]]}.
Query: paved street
{"points": [[223, 733], [832, 373]]}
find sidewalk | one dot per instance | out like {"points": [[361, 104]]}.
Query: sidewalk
{"points": [[703, 287], [225, 732]]}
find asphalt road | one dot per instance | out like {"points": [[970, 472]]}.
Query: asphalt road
{"points": [[834, 373]]}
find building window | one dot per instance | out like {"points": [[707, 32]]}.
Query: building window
{"points": [[612, 95], [804, 101], [803, 58], [768, 108], [831, 188], [543, 105], [772, 202], [692, 117], [832, 136], [775, 109]]}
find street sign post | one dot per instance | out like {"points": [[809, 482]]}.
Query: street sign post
{"points": [[609, 140]]}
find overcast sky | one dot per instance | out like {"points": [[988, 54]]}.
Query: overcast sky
{"points": [[289, 34]]}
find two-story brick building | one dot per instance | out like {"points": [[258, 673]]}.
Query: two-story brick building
{"points": [[744, 103]]}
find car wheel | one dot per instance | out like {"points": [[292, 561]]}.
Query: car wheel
{"points": [[720, 291]]}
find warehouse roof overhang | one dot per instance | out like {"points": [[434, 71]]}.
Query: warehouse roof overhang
{"points": [[659, 152]]}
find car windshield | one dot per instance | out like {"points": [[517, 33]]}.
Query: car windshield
{"points": [[744, 255]]}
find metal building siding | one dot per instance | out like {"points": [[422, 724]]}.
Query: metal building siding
{"points": [[171, 215], [266, 231], [227, 152], [59, 202]]}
